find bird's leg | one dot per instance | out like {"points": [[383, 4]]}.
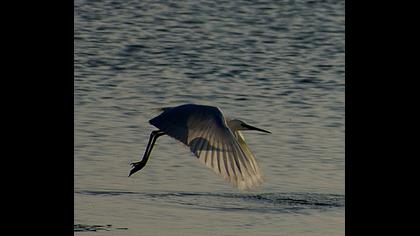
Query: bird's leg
{"points": [[147, 148], [155, 137], [139, 165]]}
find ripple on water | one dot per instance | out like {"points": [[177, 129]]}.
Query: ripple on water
{"points": [[95, 228], [261, 202]]}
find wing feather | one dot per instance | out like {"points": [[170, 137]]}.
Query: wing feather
{"points": [[217, 156], [248, 153], [231, 161], [236, 159], [227, 163], [213, 150], [197, 143]]}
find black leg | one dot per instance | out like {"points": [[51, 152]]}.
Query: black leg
{"points": [[152, 135], [155, 137], [139, 165]]}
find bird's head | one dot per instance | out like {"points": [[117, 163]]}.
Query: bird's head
{"points": [[236, 124]]}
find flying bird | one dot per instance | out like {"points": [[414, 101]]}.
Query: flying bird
{"points": [[216, 140]]}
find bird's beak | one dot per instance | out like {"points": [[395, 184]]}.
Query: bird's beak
{"points": [[255, 128]]}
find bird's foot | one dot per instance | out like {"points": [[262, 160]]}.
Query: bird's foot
{"points": [[136, 166]]}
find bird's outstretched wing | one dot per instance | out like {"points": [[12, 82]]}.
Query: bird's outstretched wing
{"points": [[204, 130]]}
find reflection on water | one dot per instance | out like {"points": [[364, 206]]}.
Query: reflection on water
{"points": [[274, 64]]}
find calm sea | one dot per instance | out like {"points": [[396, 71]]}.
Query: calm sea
{"points": [[278, 65]]}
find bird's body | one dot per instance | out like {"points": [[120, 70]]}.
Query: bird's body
{"points": [[214, 139]]}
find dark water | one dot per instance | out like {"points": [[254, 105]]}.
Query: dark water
{"points": [[278, 65]]}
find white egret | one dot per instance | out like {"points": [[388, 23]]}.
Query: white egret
{"points": [[214, 139]]}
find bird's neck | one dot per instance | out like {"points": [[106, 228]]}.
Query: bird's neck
{"points": [[234, 125]]}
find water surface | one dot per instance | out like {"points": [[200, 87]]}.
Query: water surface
{"points": [[278, 65]]}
